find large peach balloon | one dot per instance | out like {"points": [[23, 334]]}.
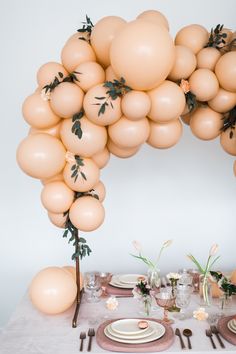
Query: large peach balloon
{"points": [[206, 123], [195, 37], [90, 170], [229, 145], [89, 74], [66, 99], [155, 17], [92, 106], [110, 74], [93, 140], [207, 58], [204, 84], [76, 52], [87, 213], [100, 191], [143, 53], [102, 36], [48, 71], [52, 290], [129, 134], [135, 105], [223, 102], [226, 71], [121, 152], [72, 271], [165, 135], [58, 177], [41, 156], [57, 219], [101, 158], [54, 130], [167, 102], [185, 63], [57, 197], [38, 112]]}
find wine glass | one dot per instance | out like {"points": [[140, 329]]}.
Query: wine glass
{"points": [[104, 278], [92, 286], [165, 299], [183, 296]]}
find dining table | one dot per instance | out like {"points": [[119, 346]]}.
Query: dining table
{"points": [[29, 331]]}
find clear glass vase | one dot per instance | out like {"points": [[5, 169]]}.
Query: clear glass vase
{"points": [[153, 278], [205, 290], [145, 305], [225, 301]]}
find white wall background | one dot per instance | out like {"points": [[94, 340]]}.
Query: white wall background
{"points": [[187, 193]]}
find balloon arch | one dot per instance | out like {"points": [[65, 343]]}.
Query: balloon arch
{"points": [[120, 85]]}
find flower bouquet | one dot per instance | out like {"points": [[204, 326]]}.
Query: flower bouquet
{"points": [[142, 291], [227, 287]]}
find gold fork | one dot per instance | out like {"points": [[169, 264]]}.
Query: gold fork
{"points": [[91, 334], [82, 337]]}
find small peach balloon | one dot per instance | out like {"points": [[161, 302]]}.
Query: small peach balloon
{"points": [[149, 54], [226, 71], [76, 52], [167, 102], [195, 37], [102, 36], [66, 99], [38, 112], [129, 134], [54, 130], [155, 17], [223, 102], [78, 36], [48, 71], [57, 197], [185, 63], [87, 213], [89, 74], [204, 84], [90, 172], [110, 75], [101, 158], [58, 219], [135, 105], [92, 105], [100, 191], [227, 143], [72, 271], [165, 135], [58, 177], [52, 290], [207, 58], [233, 277], [121, 152], [206, 123], [41, 156], [92, 141]]}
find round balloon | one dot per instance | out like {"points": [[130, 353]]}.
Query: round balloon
{"points": [[54, 130], [121, 152], [226, 71], [135, 105], [87, 213], [110, 75], [155, 17], [185, 63], [100, 191], [58, 219], [48, 71], [165, 135], [207, 58], [195, 37], [149, 54], [101, 158], [57, 197], [206, 123], [89, 74], [41, 156], [204, 84], [58, 177], [53, 290], [223, 102], [227, 143]]}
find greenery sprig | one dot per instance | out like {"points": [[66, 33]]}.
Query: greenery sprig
{"points": [[89, 193], [224, 283], [76, 127], [229, 121], [191, 101], [87, 28], [217, 37], [69, 78], [116, 88], [76, 168]]}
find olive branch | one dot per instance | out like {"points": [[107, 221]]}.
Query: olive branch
{"points": [[87, 28]]}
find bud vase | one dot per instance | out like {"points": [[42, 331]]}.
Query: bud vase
{"points": [[205, 290], [153, 278], [225, 301], [145, 305]]}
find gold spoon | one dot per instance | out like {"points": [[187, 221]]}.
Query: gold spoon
{"points": [[188, 333]]}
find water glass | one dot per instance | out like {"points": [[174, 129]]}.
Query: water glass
{"points": [[183, 297], [92, 286]]}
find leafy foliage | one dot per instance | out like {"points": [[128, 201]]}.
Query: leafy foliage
{"points": [[69, 78], [229, 121], [143, 288], [191, 101], [224, 283], [76, 168], [217, 37], [87, 28], [76, 127]]}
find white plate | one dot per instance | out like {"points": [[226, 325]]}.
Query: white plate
{"points": [[115, 282], [233, 323], [229, 325], [143, 334], [158, 332], [127, 326], [130, 278]]}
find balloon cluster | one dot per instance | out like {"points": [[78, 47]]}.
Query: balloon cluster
{"points": [[120, 85]]}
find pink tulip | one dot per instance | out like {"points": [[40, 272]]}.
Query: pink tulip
{"points": [[137, 246], [213, 250]]}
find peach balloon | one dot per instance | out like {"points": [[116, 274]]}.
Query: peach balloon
{"points": [[101, 158], [223, 102], [155, 17], [41, 156], [215, 290], [67, 99], [102, 36], [38, 112], [206, 123], [93, 140], [48, 71], [58, 177], [129, 134], [54, 130], [87, 213], [143, 53], [57, 219], [229, 145], [91, 172], [72, 271], [165, 135], [52, 290], [76, 52], [90, 74], [233, 277], [235, 176], [111, 114], [195, 37], [121, 152], [135, 105], [57, 197], [185, 63], [228, 39], [204, 84], [207, 58], [100, 191], [226, 71], [110, 75], [77, 36], [167, 102]]}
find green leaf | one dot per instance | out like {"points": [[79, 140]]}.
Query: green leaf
{"points": [[100, 98], [82, 240], [83, 175]]}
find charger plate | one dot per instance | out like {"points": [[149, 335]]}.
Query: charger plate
{"points": [[224, 330]]}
